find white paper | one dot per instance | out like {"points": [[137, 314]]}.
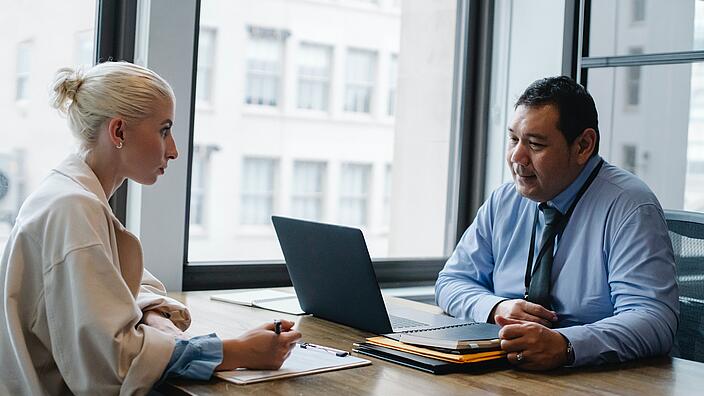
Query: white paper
{"points": [[302, 361]]}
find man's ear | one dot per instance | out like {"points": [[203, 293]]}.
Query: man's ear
{"points": [[584, 145], [116, 133]]}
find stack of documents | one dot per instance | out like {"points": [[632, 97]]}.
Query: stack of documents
{"points": [[432, 359]]}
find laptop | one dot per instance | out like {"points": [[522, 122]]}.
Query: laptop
{"points": [[334, 279]]}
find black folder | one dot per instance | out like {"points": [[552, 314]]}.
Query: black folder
{"points": [[427, 364]]}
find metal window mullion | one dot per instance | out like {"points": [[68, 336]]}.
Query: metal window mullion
{"points": [[643, 59]]}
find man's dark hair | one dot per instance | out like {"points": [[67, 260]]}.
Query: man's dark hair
{"points": [[575, 105]]}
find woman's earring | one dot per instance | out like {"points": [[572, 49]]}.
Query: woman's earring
{"points": [[119, 145]]}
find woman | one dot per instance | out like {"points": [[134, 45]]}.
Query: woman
{"points": [[79, 312]]}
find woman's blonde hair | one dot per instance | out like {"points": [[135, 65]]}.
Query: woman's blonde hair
{"points": [[107, 90]]}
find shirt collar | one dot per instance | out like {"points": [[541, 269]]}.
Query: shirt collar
{"points": [[564, 199], [75, 168]]}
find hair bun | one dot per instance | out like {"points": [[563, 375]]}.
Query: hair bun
{"points": [[65, 88]]}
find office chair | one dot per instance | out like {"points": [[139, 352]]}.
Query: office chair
{"points": [[686, 231]]}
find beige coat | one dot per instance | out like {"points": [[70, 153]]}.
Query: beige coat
{"points": [[73, 290]]}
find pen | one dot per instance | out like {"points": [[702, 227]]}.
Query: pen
{"points": [[337, 352], [277, 326]]}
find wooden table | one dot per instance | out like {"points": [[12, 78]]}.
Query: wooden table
{"points": [[656, 376]]}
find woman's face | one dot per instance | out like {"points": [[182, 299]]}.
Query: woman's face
{"points": [[149, 145]]}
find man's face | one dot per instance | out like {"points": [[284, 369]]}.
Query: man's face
{"points": [[541, 162]]}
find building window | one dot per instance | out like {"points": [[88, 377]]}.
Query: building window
{"points": [[308, 190], [361, 65], [633, 77], [314, 76], [638, 10], [24, 52], [200, 169], [393, 83], [258, 190], [84, 48], [630, 158], [354, 194], [206, 62], [387, 196], [264, 66]]}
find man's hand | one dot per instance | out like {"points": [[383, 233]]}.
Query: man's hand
{"points": [[524, 311], [530, 345], [158, 321], [260, 348]]}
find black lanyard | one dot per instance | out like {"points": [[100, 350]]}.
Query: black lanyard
{"points": [[530, 268]]}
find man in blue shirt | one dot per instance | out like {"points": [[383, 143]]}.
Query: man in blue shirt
{"points": [[608, 291]]}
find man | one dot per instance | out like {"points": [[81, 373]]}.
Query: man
{"points": [[598, 283]]}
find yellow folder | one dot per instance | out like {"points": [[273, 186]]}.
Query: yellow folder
{"points": [[448, 357]]}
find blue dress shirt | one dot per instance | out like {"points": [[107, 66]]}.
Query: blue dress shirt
{"points": [[613, 278], [195, 358]]}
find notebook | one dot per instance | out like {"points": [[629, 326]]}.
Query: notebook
{"points": [[305, 359], [272, 300], [465, 337], [332, 273]]}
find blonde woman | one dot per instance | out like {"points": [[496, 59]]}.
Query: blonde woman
{"points": [[79, 312]]}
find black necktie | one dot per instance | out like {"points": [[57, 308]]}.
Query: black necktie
{"points": [[539, 290]]}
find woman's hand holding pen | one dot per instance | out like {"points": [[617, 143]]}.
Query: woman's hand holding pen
{"points": [[260, 348]]}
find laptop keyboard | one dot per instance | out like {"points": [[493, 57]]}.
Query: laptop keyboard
{"points": [[399, 322]]}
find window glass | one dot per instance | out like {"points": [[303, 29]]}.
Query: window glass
{"points": [[258, 183], [301, 120], [204, 74], [387, 195], [35, 138], [654, 25], [651, 116], [199, 182], [359, 88], [264, 58], [308, 190], [354, 194], [393, 78], [660, 136], [314, 76], [24, 55]]}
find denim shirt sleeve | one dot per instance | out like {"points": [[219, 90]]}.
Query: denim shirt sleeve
{"points": [[195, 358]]}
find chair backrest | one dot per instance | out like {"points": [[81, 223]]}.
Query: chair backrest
{"points": [[687, 234]]}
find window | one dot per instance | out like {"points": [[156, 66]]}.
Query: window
{"points": [[313, 76], [638, 9], [354, 194], [361, 65], [308, 190], [264, 66], [644, 66], [35, 138], [393, 77], [200, 169], [206, 63], [630, 162], [289, 133], [387, 195], [258, 185], [24, 52], [633, 81]]}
